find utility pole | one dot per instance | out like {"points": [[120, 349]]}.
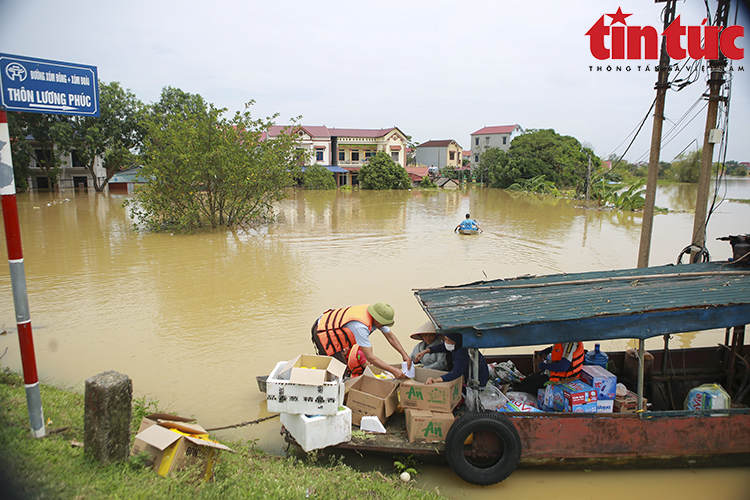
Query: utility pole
{"points": [[715, 83], [662, 85]]}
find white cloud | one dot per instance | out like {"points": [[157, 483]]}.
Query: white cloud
{"points": [[436, 69]]}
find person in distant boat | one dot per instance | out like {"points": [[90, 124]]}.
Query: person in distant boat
{"points": [[565, 362], [428, 338], [461, 361], [468, 224], [339, 329]]}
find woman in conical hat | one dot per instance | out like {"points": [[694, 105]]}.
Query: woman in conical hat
{"points": [[427, 337]]}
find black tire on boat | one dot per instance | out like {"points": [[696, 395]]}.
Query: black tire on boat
{"points": [[493, 455]]}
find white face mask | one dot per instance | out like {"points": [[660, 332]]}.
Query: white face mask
{"points": [[449, 347]]}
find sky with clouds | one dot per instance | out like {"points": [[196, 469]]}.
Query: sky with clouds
{"points": [[436, 69]]}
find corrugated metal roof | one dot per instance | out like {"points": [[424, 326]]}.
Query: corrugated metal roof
{"points": [[630, 303]]}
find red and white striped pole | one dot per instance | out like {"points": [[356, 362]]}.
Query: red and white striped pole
{"points": [[18, 281]]}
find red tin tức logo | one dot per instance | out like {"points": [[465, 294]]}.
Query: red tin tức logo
{"points": [[703, 42]]}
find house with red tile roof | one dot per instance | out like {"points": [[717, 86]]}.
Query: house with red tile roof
{"points": [[345, 150], [492, 137], [439, 154]]}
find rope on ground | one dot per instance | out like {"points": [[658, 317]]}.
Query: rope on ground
{"points": [[243, 424]]}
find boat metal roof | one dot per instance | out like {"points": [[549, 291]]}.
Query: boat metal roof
{"points": [[600, 305]]}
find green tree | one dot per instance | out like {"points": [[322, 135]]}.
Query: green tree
{"points": [[427, 182], [115, 134], [318, 177], [40, 137], [492, 168], [205, 170], [21, 151], [381, 172], [561, 159], [687, 166]]}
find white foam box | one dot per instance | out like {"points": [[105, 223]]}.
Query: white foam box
{"points": [[316, 432], [306, 385]]}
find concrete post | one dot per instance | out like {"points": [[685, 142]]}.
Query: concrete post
{"points": [[107, 416]]}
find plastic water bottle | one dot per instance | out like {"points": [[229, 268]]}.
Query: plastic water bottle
{"points": [[596, 357]]}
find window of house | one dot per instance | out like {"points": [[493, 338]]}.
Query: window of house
{"points": [[342, 155], [487, 140], [505, 140], [368, 153], [76, 160], [476, 141], [318, 155], [394, 156], [452, 155], [476, 158], [355, 155]]}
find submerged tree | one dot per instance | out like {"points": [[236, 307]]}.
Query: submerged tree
{"points": [[114, 135], [381, 172], [562, 160], [48, 133], [204, 170], [318, 177], [687, 166]]}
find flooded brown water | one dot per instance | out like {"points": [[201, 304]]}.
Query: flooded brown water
{"points": [[192, 319]]}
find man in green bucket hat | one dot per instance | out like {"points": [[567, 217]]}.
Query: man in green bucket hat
{"points": [[337, 330]]}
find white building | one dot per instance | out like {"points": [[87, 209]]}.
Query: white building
{"points": [[440, 154], [347, 148], [492, 137]]}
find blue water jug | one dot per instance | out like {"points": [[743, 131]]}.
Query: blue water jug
{"points": [[596, 357]]}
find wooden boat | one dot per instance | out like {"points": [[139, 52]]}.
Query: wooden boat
{"points": [[625, 304]]}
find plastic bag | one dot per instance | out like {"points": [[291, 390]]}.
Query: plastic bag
{"points": [[523, 398], [621, 390], [507, 372], [489, 396], [707, 397]]}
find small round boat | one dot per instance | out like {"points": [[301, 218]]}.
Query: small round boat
{"points": [[468, 231]]}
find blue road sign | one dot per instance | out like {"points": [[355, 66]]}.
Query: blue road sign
{"points": [[42, 86]]}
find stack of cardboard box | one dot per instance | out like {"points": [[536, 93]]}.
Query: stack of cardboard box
{"points": [[308, 392], [429, 408]]}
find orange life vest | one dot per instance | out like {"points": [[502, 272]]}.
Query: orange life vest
{"points": [[333, 336], [575, 364], [356, 361]]}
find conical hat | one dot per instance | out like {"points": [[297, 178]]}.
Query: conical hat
{"points": [[428, 327]]}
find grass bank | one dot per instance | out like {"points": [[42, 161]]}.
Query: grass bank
{"points": [[55, 467]]}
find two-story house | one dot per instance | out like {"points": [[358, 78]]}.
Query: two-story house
{"points": [[439, 154], [344, 150], [72, 174], [492, 137]]}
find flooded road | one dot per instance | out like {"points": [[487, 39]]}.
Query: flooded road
{"points": [[192, 319]]}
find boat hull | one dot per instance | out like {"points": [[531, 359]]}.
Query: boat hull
{"points": [[468, 231]]}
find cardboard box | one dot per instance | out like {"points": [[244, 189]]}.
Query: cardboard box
{"points": [[314, 433], [440, 396], [176, 444], [605, 405], [577, 397], [427, 426], [600, 379], [306, 385], [372, 371], [550, 397], [627, 403], [372, 396]]}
